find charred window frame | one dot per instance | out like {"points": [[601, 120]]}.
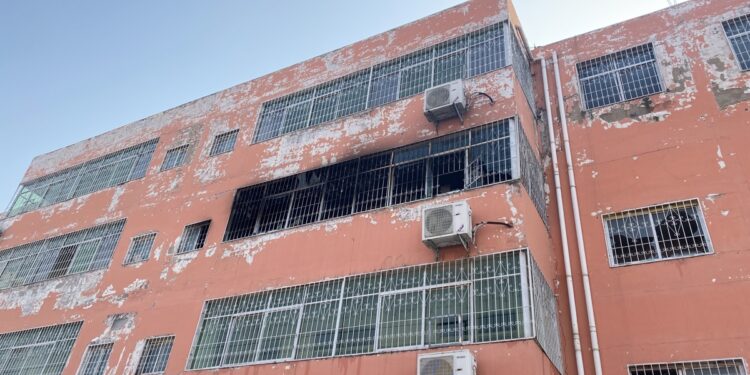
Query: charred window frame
{"points": [[709, 367], [224, 143], [155, 356], [466, 56], [619, 77], [140, 248], [83, 251], [655, 233], [194, 237], [468, 159], [737, 31], [175, 157], [42, 350], [98, 174], [95, 360]]}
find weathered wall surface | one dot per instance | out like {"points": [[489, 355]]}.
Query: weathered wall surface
{"points": [[688, 142]]}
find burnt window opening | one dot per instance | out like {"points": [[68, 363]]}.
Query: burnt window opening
{"points": [[468, 159], [194, 237]]}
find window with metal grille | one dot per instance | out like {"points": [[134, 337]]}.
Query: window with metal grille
{"points": [[668, 231], [738, 32], [140, 248], [466, 56], [95, 360], [619, 77], [42, 350], [155, 356], [467, 159], [480, 299], [194, 237], [175, 158], [107, 171], [224, 143], [87, 250], [713, 367]]}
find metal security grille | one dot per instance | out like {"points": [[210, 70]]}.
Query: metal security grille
{"points": [[194, 237], [37, 351], [467, 159], [619, 77], [713, 367], [175, 158], [738, 32], [480, 299], [95, 360], [140, 248], [224, 143], [114, 169], [673, 230], [87, 250], [466, 56], [155, 356]]}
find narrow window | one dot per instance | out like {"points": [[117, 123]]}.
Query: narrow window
{"points": [[155, 356], [194, 237], [718, 367], [224, 143], [175, 158], [619, 77], [674, 230], [140, 248], [738, 32], [95, 360]]}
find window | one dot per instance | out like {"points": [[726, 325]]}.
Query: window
{"points": [[155, 356], [738, 32], [619, 77], [224, 143], [668, 231], [95, 361], [107, 171], [87, 250], [480, 299], [175, 158], [717, 367], [467, 159], [466, 56], [140, 248], [38, 351], [194, 237]]}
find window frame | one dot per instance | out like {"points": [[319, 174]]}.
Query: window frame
{"points": [[170, 339], [181, 159], [180, 250], [681, 368], [127, 261], [83, 364], [645, 210], [731, 45], [222, 137]]}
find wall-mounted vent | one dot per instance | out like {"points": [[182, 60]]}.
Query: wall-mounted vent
{"points": [[447, 225], [445, 101], [448, 363]]}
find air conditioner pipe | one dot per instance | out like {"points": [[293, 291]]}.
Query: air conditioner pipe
{"points": [[563, 228], [577, 221]]}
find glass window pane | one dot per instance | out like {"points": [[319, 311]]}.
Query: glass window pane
{"points": [[357, 327], [450, 67], [401, 320], [279, 330], [318, 330], [447, 315], [243, 340]]}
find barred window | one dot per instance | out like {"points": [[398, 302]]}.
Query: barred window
{"points": [[107, 171], [194, 237], [466, 56], [175, 158], [738, 32], [87, 250], [95, 360], [38, 351], [140, 248], [668, 231], [155, 356], [481, 299], [467, 159], [714, 367], [619, 77], [224, 143]]}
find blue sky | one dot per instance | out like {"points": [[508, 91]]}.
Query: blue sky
{"points": [[70, 70]]}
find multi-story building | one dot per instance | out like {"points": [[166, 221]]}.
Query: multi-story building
{"points": [[295, 224]]}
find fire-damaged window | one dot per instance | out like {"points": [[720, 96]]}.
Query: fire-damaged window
{"points": [[194, 237], [738, 32], [467, 159], [87, 250], [42, 350], [712, 367], [619, 77], [668, 231]]}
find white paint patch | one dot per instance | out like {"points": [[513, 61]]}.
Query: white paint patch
{"points": [[116, 198], [71, 291], [720, 156]]}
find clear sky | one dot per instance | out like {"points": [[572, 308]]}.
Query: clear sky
{"points": [[70, 70]]}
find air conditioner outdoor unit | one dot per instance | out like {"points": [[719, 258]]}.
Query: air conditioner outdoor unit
{"points": [[460, 362], [445, 101], [447, 225]]}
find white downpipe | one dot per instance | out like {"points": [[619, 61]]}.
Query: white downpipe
{"points": [[563, 227], [577, 220]]}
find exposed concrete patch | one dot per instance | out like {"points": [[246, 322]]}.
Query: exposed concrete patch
{"points": [[71, 291], [210, 170], [720, 157], [181, 261], [131, 364], [116, 198]]}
